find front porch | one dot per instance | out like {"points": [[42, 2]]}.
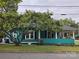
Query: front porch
{"points": [[47, 37]]}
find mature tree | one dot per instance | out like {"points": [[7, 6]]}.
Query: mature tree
{"points": [[32, 19], [9, 5], [68, 22], [37, 21], [9, 16]]}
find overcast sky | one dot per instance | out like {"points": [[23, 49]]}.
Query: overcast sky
{"points": [[72, 12]]}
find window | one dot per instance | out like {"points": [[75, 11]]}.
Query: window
{"points": [[29, 35]]}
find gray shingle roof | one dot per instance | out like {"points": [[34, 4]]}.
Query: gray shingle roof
{"points": [[65, 27]]}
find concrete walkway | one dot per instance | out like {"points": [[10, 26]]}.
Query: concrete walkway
{"points": [[39, 56]]}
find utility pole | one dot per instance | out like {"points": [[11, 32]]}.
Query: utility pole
{"points": [[78, 27]]}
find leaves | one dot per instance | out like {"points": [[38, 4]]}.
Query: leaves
{"points": [[36, 20], [9, 5]]}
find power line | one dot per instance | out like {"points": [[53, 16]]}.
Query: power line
{"points": [[46, 6], [51, 6], [66, 14]]}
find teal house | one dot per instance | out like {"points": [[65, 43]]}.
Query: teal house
{"points": [[64, 37]]}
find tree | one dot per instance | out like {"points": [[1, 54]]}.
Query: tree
{"points": [[68, 22], [9, 5], [36, 21], [8, 22], [9, 16], [39, 21]]}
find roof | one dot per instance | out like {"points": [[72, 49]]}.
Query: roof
{"points": [[65, 27]]}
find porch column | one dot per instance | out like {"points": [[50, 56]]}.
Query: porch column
{"points": [[56, 35], [39, 35], [33, 34], [63, 34], [25, 36], [13, 34], [29, 35], [73, 35], [3, 41]]}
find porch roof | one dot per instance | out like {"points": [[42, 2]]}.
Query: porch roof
{"points": [[65, 27]]}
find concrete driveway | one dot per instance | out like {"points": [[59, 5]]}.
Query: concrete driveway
{"points": [[39, 56]]}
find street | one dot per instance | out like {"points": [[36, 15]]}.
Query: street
{"points": [[39, 56]]}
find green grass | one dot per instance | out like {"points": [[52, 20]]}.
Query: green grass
{"points": [[38, 48]]}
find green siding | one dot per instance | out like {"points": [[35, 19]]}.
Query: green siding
{"points": [[58, 41]]}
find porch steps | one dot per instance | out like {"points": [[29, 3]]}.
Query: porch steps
{"points": [[29, 42]]}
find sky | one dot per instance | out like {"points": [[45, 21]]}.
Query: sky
{"points": [[71, 12]]}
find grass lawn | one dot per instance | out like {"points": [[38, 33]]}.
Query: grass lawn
{"points": [[38, 48]]}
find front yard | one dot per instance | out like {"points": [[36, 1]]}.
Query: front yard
{"points": [[38, 48]]}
